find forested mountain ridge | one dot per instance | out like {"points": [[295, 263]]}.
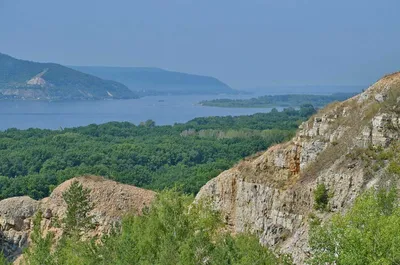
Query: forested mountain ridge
{"points": [[20, 79], [340, 152], [156, 81]]}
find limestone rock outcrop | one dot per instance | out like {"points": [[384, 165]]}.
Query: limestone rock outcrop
{"points": [[112, 201], [15, 223], [272, 194]]}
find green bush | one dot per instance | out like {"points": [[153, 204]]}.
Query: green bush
{"points": [[367, 234], [39, 252], [3, 260], [394, 167], [321, 197]]}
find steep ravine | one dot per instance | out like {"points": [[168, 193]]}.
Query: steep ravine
{"points": [[272, 194]]}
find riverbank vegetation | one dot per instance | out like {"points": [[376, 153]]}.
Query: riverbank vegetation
{"points": [[271, 101]]}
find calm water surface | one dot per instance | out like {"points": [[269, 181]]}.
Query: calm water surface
{"points": [[162, 109]]}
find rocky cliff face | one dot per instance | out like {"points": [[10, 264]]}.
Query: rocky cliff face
{"points": [[111, 200], [15, 221], [272, 194]]}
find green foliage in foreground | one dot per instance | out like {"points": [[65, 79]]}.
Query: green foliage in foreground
{"points": [[3, 260], [367, 234], [39, 254], [34, 161], [172, 232]]}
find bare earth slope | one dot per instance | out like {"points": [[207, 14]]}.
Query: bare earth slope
{"points": [[272, 194]]}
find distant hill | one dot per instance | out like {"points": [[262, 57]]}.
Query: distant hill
{"points": [[28, 80], [155, 81]]}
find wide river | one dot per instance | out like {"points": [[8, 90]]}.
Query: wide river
{"points": [[162, 109]]}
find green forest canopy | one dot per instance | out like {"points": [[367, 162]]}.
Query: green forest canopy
{"points": [[34, 161]]}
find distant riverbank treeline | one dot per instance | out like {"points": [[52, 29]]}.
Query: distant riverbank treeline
{"points": [[270, 101]]}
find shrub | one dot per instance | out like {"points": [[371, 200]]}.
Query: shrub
{"points": [[313, 220], [39, 252], [366, 234], [394, 167], [321, 197], [3, 260]]}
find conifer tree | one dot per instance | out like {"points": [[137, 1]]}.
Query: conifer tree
{"points": [[77, 217]]}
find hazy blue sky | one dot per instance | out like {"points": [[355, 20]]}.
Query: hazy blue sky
{"points": [[245, 43]]}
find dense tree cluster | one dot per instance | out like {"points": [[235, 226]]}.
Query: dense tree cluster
{"points": [[34, 161]]}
